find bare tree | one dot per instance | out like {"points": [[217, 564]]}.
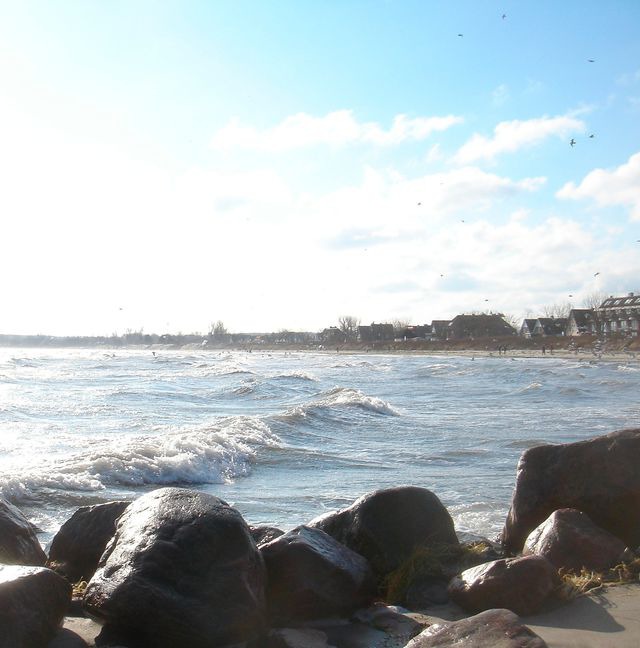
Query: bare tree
{"points": [[218, 329], [557, 310], [348, 324], [594, 300]]}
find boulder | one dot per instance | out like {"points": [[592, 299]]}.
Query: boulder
{"points": [[19, 544], [518, 584], [263, 534], [181, 570], [386, 526], [33, 602], [310, 575], [599, 477], [490, 629], [81, 540], [570, 540]]}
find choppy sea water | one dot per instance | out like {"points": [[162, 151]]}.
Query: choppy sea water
{"points": [[285, 437]]}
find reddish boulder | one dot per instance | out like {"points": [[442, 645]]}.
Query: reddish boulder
{"points": [[19, 544], [518, 584], [387, 525], [570, 540], [310, 575], [490, 629], [599, 477], [81, 540], [33, 602]]}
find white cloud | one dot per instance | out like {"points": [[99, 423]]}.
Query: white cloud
{"points": [[620, 186], [511, 136], [337, 128], [500, 95]]}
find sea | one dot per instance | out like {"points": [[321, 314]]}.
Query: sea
{"points": [[287, 436]]}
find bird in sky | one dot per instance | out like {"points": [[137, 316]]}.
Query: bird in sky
{"points": [[591, 136], [572, 142], [570, 295], [460, 35], [591, 60], [419, 204], [504, 16], [596, 274]]}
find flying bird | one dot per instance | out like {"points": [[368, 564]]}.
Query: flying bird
{"points": [[419, 204], [591, 60], [504, 16], [461, 35], [570, 295], [591, 136], [572, 142], [596, 274]]}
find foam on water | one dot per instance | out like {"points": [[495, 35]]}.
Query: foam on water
{"points": [[205, 455]]}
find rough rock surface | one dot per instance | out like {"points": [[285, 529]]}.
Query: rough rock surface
{"points": [[263, 534], [33, 601], [310, 575], [181, 570], [19, 544], [518, 584], [491, 629], [82, 539], [569, 539], [599, 477], [387, 525]]}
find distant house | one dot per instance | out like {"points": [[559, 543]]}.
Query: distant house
{"points": [[527, 327], [376, 333], [439, 329], [554, 326], [582, 321], [477, 326], [333, 335], [620, 315], [417, 332]]}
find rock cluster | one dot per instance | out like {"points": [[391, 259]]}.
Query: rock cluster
{"points": [[178, 567]]}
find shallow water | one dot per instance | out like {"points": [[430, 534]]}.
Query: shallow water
{"points": [[287, 436]]}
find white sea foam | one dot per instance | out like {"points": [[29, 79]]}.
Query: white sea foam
{"points": [[205, 455], [340, 398]]}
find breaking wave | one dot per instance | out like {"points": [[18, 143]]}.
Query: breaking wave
{"points": [[205, 455]]}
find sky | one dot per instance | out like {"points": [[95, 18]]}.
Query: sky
{"points": [[277, 165]]}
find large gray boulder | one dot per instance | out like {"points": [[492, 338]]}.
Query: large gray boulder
{"points": [[570, 540], [521, 585], [33, 602], [82, 539], [310, 575], [19, 544], [181, 570], [491, 629], [599, 477], [386, 526]]}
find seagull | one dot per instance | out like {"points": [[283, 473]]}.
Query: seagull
{"points": [[591, 60], [596, 274], [591, 136], [460, 35], [572, 142]]}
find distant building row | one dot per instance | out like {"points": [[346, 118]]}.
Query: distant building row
{"points": [[615, 316]]}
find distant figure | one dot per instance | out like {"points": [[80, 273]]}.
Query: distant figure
{"points": [[544, 350], [572, 142]]}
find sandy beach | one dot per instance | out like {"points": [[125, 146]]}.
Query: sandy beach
{"points": [[608, 617]]}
